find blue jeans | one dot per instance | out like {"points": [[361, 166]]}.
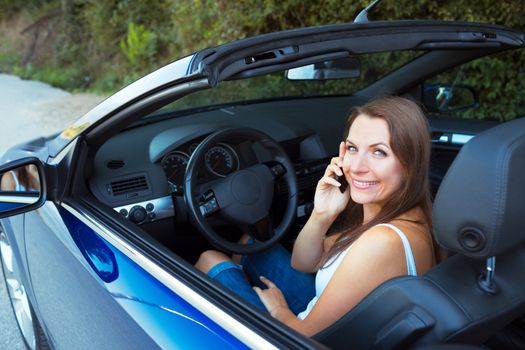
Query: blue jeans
{"points": [[298, 287]]}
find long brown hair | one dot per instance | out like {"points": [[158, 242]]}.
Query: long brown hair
{"points": [[410, 142]]}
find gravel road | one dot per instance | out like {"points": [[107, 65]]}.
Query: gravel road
{"points": [[29, 109]]}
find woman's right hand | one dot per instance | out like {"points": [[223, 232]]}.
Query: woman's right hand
{"points": [[329, 202]]}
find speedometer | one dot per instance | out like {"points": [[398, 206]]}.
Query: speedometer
{"points": [[174, 165], [221, 160]]}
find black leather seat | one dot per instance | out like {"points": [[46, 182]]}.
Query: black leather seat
{"points": [[479, 214]]}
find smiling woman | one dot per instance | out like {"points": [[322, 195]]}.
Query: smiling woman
{"points": [[395, 133], [385, 160]]}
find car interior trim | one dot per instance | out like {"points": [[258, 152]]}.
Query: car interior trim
{"points": [[454, 138], [18, 199], [63, 153], [233, 326], [155, 209]]}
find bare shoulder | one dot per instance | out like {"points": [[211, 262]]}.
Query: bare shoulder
{"points": [[384, 244], [379, 242], [379, 235], [420, 242]]}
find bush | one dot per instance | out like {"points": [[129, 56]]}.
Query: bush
{"points": [[114, 41], [139, 46]]}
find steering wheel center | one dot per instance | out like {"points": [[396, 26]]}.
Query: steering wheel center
{"points": [[246, 187]]}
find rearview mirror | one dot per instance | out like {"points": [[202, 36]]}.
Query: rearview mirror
{"points": [[344, 68], [21, 187], [439, 98]]}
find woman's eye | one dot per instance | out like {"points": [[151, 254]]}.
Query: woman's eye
{"points": [[380, 152], [351, 148]]}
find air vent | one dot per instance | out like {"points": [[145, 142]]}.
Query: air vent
{"points": [[133, 184], [115, 164]]}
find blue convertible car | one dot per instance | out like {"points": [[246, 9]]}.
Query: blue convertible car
{"points": [[101, 224]]}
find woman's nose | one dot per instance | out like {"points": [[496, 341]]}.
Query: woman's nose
{"points": [[359, 163]]}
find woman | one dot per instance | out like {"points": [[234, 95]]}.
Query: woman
{"points": [[386, 231]]}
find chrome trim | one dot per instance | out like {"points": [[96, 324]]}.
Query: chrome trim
{"points": [[20, 199], [453, 138], [444, 138], [162, 207], [231, 325], [461, 138], [17, 293]]}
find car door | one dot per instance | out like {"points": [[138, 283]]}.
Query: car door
{"points": [[91, 295], [92, 292]]}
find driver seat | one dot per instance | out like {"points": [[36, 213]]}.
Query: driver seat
{"points": [[479, 216]]}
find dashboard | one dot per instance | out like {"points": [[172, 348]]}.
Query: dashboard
{"points": [[140, 171]]}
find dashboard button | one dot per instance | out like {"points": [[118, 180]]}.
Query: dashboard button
{"points": [[137, 214]]}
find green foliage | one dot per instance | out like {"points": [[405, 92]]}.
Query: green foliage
{"points": [[8, 61], [139, 46], [9, 8], [68, 78], [105, 44]]}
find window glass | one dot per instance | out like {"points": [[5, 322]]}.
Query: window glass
{"points": [[272, 86]]}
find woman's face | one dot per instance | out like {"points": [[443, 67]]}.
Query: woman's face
{"points": [[371, 168]]}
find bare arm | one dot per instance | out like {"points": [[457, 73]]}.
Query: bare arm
{"points": [[375, 257], [329, 202], [308, 247]]}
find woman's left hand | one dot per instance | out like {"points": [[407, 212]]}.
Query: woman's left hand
{"points": [[272, 298]]}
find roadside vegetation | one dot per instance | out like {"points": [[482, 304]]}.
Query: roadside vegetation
{"points": [[102, 45]]}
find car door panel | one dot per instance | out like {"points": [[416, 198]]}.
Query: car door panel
{"points": [[128, 307]]}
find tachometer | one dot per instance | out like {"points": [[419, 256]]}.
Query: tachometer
{"points": [[174, 165], [221, 160]]}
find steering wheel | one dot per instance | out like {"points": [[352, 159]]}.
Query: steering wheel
{"points": [[243, 197]]}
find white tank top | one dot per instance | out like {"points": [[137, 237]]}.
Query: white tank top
{"points": [[325, 273]]}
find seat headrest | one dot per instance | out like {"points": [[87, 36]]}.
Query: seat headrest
{"points": [[479, 210]]}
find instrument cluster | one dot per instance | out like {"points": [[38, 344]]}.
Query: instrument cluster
{"points": [[219, 161]]}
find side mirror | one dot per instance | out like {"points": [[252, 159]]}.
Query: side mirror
{"points": [[344, 68], [22, 186], [440, 98]]}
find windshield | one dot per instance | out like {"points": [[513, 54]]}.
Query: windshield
{"points": [[276, 86]]}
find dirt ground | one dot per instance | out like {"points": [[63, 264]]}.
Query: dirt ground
{"points": [[29, 109], [63, 111]]}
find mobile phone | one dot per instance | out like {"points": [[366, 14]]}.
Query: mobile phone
{"points": [[342, 180]]}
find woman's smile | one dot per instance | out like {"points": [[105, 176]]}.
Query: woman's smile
{"points": [[364, 185]]}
